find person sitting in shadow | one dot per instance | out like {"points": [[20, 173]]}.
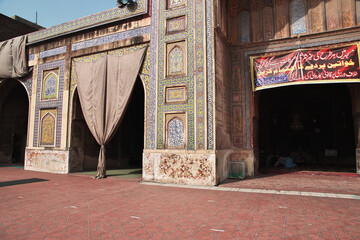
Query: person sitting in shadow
{"points": [[289, 162], [280, 160]]}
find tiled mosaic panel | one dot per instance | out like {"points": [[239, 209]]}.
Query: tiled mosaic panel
{"points": [[316, 16], [256, 24], [210, 92], [281, 20], [47, 126], [245, 26], [92, 20], [50, 84], [158, 40], [347, 13], [151, 141], [176, 94], [177, 24], [28, 85], [176, 130], [163, 82], [332, 16], [268, 23], [237, 119], [358, 12], [111, 38], [176, 58], [50, 104], [200, 75], [298, 17], [175, 3], [53, 52], [144, 74]]}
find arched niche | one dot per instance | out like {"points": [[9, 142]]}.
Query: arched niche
{"points": [[297, 10], [47, 127], [176, 64], [175, 132], [50, 86]]}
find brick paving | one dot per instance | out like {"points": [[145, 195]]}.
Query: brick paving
{"points": [[78, 207]]}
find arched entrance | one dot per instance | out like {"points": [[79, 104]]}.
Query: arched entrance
{"points": [[312, 123], [14, 107], [125, 148]]}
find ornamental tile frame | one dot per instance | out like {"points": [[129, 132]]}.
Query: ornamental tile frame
{"points": [[111, 15], [210, 68], [175, 130], [47, 127], [199, 70], [163, 81], [176, 24], [53, 103]]}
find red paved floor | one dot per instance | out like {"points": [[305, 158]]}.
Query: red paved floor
{"points": [[308, 181], [75, 207]]}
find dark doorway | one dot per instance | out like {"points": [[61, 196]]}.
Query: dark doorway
{"points": [[125, 148], [312, 123], [14, 107]]}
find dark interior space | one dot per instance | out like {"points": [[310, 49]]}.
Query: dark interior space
{"points": [[14, 107], [311, 123], [126, 146]]}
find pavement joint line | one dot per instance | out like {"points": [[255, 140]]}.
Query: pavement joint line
{"points": [[260, 191]]}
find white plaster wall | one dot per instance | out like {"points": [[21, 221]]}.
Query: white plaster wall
{"points": [[54, 161]]}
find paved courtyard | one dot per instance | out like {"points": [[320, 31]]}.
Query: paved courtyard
{"points": [[38, 205]]}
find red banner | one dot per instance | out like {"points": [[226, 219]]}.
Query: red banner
{"points": [[328, 65]]}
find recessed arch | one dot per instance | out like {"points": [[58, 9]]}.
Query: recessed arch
{"points": [[126, 146], [14, 112]]}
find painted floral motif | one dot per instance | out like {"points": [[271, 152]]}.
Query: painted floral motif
{"points": [[185, 166], [176, 61], [47, 128], [175, 3]]}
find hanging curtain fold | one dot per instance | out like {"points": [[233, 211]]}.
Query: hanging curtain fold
{"points": [[13, 61], [104, 88]]}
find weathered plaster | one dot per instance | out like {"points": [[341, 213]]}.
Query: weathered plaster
{"points": [[47, 160], [179, 167]]}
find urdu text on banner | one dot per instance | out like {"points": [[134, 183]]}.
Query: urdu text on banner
{"points": [[327, 65]]}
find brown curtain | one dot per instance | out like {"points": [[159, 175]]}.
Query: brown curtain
{"points": [[13, 61], [104, 89]]}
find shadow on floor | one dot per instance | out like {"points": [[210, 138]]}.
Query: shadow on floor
{"points": [[131, 173], [21, 181]]}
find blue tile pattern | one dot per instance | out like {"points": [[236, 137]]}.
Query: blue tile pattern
{"points": [[153, 77], [298, 21], [210, 92], [189, 79], [89, 21], [57, 103], [111, 38], [53, 52]]}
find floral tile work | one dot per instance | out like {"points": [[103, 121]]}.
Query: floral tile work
{"points": [[187, 168]]}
